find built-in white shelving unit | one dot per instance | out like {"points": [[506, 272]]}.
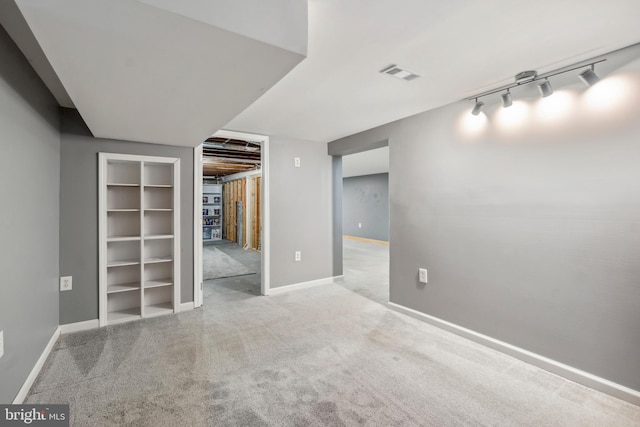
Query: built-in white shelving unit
{"points": [[211, 212], [139, 236]]}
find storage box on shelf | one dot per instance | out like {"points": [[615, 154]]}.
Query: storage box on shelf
{"points": [[211, 212], [139, 237]]}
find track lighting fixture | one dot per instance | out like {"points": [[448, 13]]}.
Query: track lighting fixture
{"points": [[506, 99], [477, 108], [588, 76], [545, 88]]}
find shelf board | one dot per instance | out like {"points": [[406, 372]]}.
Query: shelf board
{"points": [[159, 185], [217, 226], [158, 283], [157, 309], [122, 210], [156, 260], [125, 287], [123, 315], [206, 216], [211, 204], [122, 238], [158, 236], [122, 263], [121, 184], [158, 210]]}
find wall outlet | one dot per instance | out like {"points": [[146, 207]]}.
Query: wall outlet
{"points": [[1, 343], [296, 162], [298, 256], [65, 283], [422, 275], [359, 225]]}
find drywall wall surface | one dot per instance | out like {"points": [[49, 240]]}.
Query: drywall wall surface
{"points": [[336, 213], [79, 213], [527, 223], [347, 146], [300, 201], [29, 171], [365, 206]]}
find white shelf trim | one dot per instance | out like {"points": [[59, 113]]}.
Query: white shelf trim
{"points": [[122, 238], [158, 283], [155, 260], [125, 287], [158, 236], [123, 263]]}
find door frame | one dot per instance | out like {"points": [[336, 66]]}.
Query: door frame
{"points": [[198, 291]]}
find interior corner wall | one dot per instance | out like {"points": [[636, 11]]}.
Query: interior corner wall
{"points": [[365, 206], [336, 214], [530, 226], [79, 213], [300, 211], [29, 171]]}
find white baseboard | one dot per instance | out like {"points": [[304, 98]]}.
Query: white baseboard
{"points": [[24, 390], [559, 368], [302, 285], [186, 306], [79, 326]]}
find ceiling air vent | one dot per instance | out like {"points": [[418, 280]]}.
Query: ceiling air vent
{"points": [[399, 73]]}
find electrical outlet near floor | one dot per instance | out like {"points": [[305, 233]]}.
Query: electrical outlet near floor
{"points": [[422, 275], [298, 256], [1, 343], [65, 283]]}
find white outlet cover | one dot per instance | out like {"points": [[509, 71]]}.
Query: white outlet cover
{"points": [[298, 256], [296, 162], [422, 275], [66, 283]]}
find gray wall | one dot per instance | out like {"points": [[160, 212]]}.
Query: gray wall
{"points": [[29, 172], [366, 202], [79, 213], [336, 214], [530, 232], [300, 219]]}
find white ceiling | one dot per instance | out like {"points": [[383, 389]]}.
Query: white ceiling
{"points": [[366, 163], [459, 47], [148, 71], [173, 72]]}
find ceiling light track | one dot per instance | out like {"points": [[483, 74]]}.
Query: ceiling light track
{"points": [[588, 76]]}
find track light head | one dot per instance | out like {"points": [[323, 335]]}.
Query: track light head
{"points": [[589, 77], [545, 89], [506, 99], [477, 108]]}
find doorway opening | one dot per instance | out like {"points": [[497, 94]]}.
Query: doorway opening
{"points": [[365, 222], [229, 235]]}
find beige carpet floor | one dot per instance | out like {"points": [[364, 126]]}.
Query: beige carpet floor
{"points": [[329, 355]]}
